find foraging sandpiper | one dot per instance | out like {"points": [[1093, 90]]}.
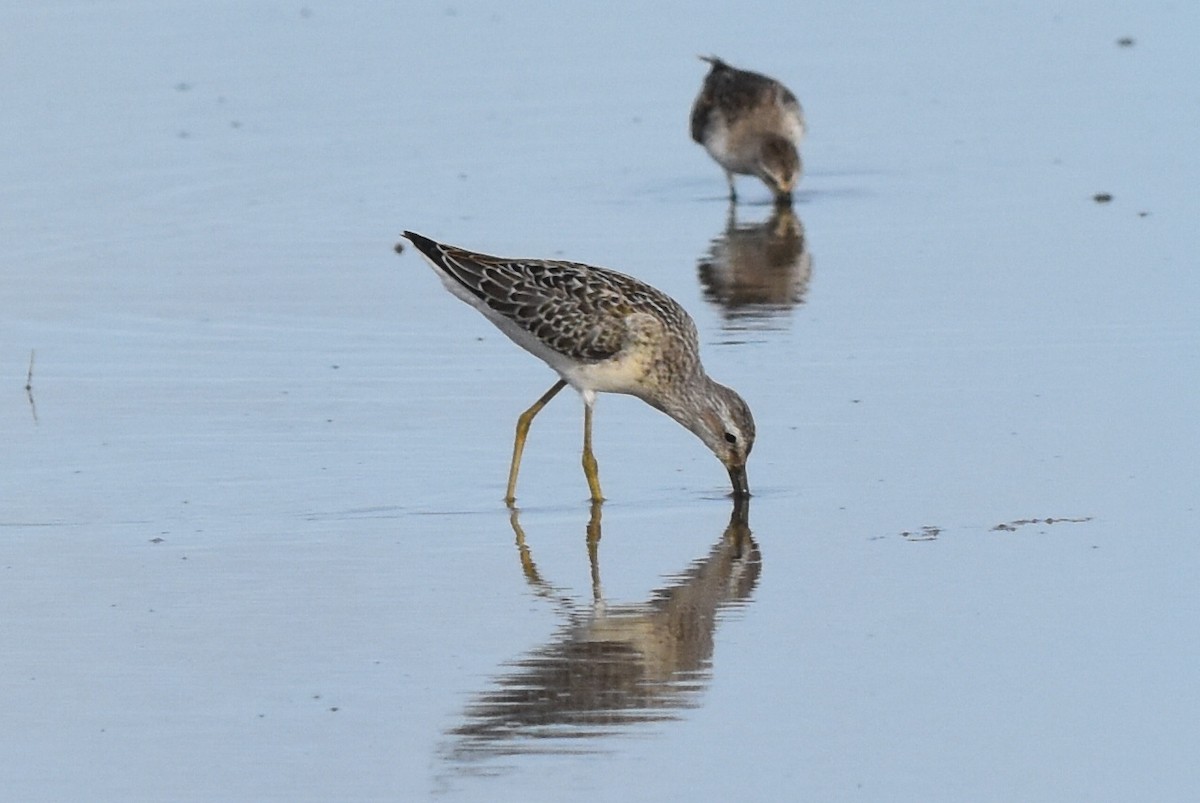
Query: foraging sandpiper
{"points": [[603, 332], [750, 124]]}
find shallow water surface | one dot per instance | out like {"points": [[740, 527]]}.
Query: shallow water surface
{"points": [[253, 540]]}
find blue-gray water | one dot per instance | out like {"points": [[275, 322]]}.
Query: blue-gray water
{"points": [[253, 543]]}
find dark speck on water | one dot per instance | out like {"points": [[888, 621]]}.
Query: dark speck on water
{"points": [[1102, 197]]}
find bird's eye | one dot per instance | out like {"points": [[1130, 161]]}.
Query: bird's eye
{"points": [[730, 437]]}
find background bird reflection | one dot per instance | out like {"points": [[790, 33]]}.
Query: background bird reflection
{"points": [[757, 272], [610, 667]]}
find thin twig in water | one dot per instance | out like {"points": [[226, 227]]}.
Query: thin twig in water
{"points": [[29, 387]]}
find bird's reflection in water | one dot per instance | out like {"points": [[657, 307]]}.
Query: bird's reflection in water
{"points": [[610, 667], [757, 272]]}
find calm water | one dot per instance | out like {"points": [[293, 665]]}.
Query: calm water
{"points": [[253, 543]]}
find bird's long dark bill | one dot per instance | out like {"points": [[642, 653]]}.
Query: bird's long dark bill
{"points": [[741, 487]]}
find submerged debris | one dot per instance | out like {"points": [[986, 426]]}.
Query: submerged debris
{"points": [[927, 533], [1013, 525], [932, 533]]}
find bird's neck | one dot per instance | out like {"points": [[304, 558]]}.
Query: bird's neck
{"points": [[689, 397]]}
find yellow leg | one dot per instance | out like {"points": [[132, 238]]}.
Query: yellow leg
{"points": [[523, 432], [590, 469]]}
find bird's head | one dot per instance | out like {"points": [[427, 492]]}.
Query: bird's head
{"points": [[778, 165], [726, 426]]}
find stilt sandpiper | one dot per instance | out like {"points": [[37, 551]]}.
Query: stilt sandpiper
{"points": [[603, 332], [750, 124]]}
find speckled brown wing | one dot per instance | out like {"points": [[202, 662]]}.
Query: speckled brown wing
{"points": [[702, 111], [574, 309], [738, 92]]}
